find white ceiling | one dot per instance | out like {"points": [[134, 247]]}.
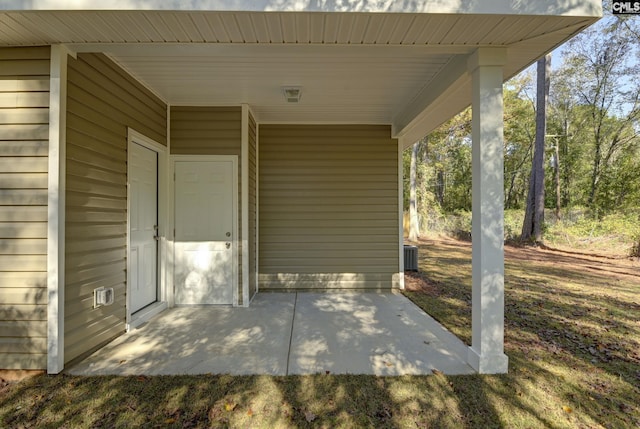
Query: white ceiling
{"points": [[361, 84], [404, 69]]}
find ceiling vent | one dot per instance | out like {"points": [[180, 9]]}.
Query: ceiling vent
{"points": [[292, 93]]}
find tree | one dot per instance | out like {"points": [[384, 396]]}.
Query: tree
{"points": [[519, 136], [534, 209], [603, 74], [414, 225]]}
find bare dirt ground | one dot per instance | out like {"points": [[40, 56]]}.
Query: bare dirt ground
{"points": [[609, 264]]}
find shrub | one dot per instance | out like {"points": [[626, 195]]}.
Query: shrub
{"points": [[513, 224], [635, 249]]}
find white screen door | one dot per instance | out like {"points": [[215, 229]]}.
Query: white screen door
{"points": [[143, 224], [204, 220]]}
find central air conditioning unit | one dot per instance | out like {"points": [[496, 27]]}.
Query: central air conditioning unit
{"points": [[410, 258]]}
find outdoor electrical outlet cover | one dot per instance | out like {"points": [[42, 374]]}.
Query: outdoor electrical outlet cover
{"points": [[102, 296]]}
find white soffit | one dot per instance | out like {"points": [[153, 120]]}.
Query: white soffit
{"points": [[360, 84], [404, 69]]}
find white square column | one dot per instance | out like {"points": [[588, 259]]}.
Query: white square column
{"points": [[486, 354]]}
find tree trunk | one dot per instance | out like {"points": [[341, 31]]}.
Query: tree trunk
{"points": [[414, 227], [534, 214], [566, 168], [440, 187], [595, 174], [556, 175]]}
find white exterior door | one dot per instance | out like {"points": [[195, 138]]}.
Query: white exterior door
{"points": [[204, 232], [143, 224]]}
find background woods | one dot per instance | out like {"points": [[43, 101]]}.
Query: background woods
{"points": [[591, 147]]}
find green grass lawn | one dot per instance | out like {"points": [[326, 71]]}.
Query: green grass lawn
{"points": [[572, 336]]}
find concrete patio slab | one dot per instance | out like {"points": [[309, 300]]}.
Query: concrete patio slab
{"points": [[201, 340], [286, 333], [370, 333]]}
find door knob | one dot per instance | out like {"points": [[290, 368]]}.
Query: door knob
{"points": [[228, 245], [228, 234]]}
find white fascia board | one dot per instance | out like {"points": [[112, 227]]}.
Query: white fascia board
{"points": [[446, 96], [538, 7], [407, 123], [150, 49]]}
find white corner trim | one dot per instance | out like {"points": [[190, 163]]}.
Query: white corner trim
{"points": [[244, 160], [127, 286], [400, 217], [168, 208], [56, 208], [257, 243]]}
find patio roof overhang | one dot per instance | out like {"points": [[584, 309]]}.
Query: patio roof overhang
{"points": [[398, 63]]}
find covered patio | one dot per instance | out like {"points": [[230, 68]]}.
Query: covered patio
{"points": [[285, 334], [298, 113]]}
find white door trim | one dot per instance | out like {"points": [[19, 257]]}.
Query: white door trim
{"points": [[134, 137], [234, 242]]}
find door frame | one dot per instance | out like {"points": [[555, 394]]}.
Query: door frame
{"points": [[235, 225], [141, 316]]}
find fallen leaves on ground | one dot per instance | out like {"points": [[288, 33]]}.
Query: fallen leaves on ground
{"points": [[309, 416]]}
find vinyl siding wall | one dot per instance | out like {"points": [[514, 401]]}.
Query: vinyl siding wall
{"points": [[210, 131], [253, 206], [328, 207], [24, 138], [103, 100]]}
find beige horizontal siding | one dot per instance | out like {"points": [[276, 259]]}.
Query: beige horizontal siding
{"points": [[197, 130], [206, 130], [34, 329], [253, 207], [328, 207], [325, 281], [24, 146], [13, 100], [102, 102], [15, 117], [21, 346], [23, 296], [28, 163]]}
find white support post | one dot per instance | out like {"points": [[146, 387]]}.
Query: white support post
{"points": [[56, 208], [486, 354]]}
